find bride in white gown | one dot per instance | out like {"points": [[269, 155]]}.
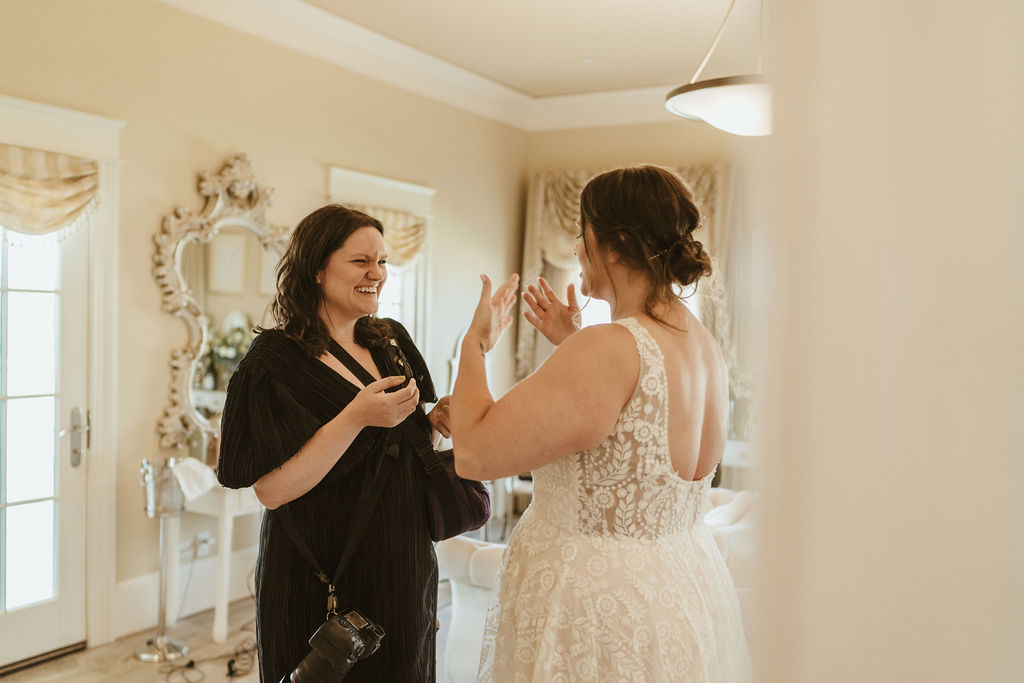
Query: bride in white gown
{"points": [[611, 574]]}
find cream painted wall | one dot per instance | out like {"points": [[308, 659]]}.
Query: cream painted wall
{"points": [[892, 538], [675, 143], [192, 93]]}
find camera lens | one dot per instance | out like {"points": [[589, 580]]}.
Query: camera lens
{"points": [[315, 668], [332, 655]]}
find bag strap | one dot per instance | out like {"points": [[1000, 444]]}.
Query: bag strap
{"points": [[415, 436], [364, 511], [346, 359], [432, 463], [367, 504]]}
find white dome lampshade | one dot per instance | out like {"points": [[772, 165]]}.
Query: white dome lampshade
{"points": [[741, 105]]}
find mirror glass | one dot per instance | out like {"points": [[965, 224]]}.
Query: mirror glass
{"points": [[231, 278]]}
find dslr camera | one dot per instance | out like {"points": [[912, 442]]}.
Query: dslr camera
{"points": [[339, 643]]}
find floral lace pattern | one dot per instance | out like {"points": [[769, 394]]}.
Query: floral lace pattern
{"points": [[611, 575]]}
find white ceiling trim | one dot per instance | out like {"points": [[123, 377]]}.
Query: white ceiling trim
{"points": [[610, 108], [326, 36]]}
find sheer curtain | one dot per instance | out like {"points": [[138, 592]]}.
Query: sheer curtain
{"points": [[552, 211], [44, 193]]}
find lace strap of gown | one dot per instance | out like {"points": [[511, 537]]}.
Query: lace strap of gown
{"points": [[628, 487], [648, 408]]}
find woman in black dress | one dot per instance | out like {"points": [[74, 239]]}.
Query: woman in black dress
{"points": [[302, 430]]}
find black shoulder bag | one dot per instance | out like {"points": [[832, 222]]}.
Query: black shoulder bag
{"points": [[453, 505]]}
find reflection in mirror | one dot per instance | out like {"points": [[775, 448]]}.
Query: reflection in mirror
{"points": [[231, 278], [216, 272]]}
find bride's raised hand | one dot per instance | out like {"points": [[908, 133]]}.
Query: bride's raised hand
{"points": [[550, 316], [493, 313]]}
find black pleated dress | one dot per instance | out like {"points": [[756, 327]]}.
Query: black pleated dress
{"points": [[277, 399]]}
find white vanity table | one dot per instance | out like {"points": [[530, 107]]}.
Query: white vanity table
{"points": [[225, 504]]}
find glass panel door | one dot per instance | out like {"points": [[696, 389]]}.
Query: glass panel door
{"points": [[42, 493]]}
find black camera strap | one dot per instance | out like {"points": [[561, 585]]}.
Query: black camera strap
{"points": [[366, 506], [415, 434]]}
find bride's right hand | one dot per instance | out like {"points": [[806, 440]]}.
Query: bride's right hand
{"points": [[374, 406], [550, 316]]}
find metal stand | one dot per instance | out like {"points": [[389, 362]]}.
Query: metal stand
{"points": [[163, 498]]}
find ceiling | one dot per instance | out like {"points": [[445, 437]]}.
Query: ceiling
{"points": [[544, 48], [533, 64]]}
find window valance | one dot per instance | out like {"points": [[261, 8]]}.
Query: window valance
{"points": [[45, 193], [404, 232]]}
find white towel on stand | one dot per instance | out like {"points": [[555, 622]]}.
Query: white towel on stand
{"points": [[194, 477]]}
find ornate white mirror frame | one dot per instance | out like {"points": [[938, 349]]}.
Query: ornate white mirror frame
{"points": [[232, 197]]}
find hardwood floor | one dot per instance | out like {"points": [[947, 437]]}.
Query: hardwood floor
{"points": [[115, 662]]}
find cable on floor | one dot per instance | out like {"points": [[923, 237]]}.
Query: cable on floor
{"points": [[239, 663], [182, 673]]}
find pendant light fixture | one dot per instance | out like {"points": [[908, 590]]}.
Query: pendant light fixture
{"points": [[741, 105]]}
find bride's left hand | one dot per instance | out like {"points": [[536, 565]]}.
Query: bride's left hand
{"points": [[493, 313]]}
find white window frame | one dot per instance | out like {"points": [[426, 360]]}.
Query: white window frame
{"points": [[414, 278]]}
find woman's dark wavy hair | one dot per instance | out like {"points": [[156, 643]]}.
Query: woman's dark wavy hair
{"points": [[647, 215], [296, 308]]}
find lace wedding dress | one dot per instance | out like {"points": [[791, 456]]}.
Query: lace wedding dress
{"points": [[611, 574]]}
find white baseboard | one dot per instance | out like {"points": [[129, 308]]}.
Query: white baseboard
{"points": [[136, 603]]}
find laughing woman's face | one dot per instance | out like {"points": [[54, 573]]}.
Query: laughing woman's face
{"points": [[353, 277]]}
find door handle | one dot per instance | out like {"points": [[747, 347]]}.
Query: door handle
{"points": [[78, 430]]}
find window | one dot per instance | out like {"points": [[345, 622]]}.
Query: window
{"points": [[597, 311], [401, 297]]}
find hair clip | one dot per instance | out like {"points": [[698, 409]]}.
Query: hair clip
{"points": [[667, 249]]}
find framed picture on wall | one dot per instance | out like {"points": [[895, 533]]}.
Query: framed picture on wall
{"points": [[227, 264]]}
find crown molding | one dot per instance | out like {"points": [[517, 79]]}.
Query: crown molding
{"points": [[318, 33], [592, 110]]}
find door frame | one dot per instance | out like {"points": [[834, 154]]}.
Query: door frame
{"points": [[42, 126]]}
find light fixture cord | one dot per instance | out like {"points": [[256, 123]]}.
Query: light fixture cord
{"points": [[760, 40], [714, 43]]}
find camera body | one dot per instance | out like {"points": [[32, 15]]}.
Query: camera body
{"points": [[337, 645], [398, 361]]}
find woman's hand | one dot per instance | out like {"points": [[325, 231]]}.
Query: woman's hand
{"points": [[550, 316], [374, 406], [493, 313], [440, 417]]}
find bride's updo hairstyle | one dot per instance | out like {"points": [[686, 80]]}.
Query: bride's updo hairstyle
{"points": [[647, 216]]}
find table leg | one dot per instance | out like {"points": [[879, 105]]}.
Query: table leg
{"points": [[220, 605], [173, 531]]}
